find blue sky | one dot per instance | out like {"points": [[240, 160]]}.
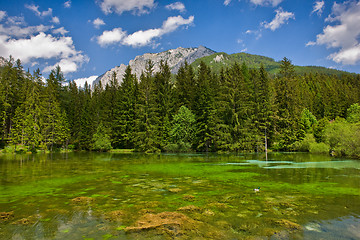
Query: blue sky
{"points": [[87, 38]]}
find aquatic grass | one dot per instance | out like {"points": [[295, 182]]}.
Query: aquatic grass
{"points": [[50, 186], [205, 170]]}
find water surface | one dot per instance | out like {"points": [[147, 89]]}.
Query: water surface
{"points": [[181, 196]]}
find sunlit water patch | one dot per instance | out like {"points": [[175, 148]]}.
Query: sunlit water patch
{"points": [[178, 196]]}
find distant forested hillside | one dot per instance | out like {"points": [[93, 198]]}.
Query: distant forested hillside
{"points": [[223, 60], [218, 107]]}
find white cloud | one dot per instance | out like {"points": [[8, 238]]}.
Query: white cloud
{"points": [[281, 18], [2, 15], [55, 20], [119, 6], [227, 2], [176, 6], [15, 20], [61, 31], [80, 82], [43, 46], [68, 64], [32, 44], [172, 23], [16, 31], [142, 37], [111, 37], [67, 4], [318, 7], [39, 46], [343, 36], [98, 22], [273, 3], [35, 9]]}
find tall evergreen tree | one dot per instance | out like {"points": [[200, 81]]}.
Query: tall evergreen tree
{"points": [[123, 131], [205, 110], [147, 118]]}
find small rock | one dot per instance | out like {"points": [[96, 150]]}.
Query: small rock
{"points": [[82, 200], [288, 224], [208, 212], [190, 208], [189, 198], [175, 190], [5, 216]]}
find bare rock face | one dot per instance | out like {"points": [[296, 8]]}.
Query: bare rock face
{"points": [[174, 57]]}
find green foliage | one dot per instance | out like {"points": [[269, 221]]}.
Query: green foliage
{"points": [[343, 138], [309, 144], [319, 130], [353, 113], [307, 121], [182, 131], [101, 140]]}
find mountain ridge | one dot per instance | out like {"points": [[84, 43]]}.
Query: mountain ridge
{"points": [[174, 57], [215, 60]]}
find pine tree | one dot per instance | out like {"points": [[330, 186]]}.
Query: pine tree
{"points": [[147, 118], [205, 111], [286, 104], [55, 128], [163, 94], [263, 113], [185, 87], [123, 131]]}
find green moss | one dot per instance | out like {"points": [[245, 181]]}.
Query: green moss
{"points": [[49, 186], [121, 228]]}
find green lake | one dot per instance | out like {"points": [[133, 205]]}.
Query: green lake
{"points": [[179, 196]]}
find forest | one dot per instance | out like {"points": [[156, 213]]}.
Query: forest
{"points": [[235, 110]]}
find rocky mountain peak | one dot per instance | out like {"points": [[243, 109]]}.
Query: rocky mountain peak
{"points": [[174, 57]]}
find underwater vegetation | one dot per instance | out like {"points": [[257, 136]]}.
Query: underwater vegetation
{"points": [[136, 196]]}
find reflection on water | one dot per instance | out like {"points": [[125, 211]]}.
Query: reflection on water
{"points": [[181, 196]]}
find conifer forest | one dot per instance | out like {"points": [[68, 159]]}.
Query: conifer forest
{"points": [[237, 109]]}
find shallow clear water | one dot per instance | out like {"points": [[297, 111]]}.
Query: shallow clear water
{"points": [[181, 196]]}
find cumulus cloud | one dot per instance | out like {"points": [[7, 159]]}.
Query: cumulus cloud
{"points": [[55, 20], [67, 4], [281, 18], [273, 3], [110, 37], [35, 9], [70, 64], [16, 31], [176, 6], [2, 15], [15, 20], [318, 7], [142, 37], [31, 44], [344, 35], [119, 6], [61, 31], [42, 45], [98, 22]]}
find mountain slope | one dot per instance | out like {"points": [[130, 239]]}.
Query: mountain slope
{"points": [[174, 57], [222, 60]]}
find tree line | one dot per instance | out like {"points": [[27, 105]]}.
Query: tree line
{"points": [[194, 110]]}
